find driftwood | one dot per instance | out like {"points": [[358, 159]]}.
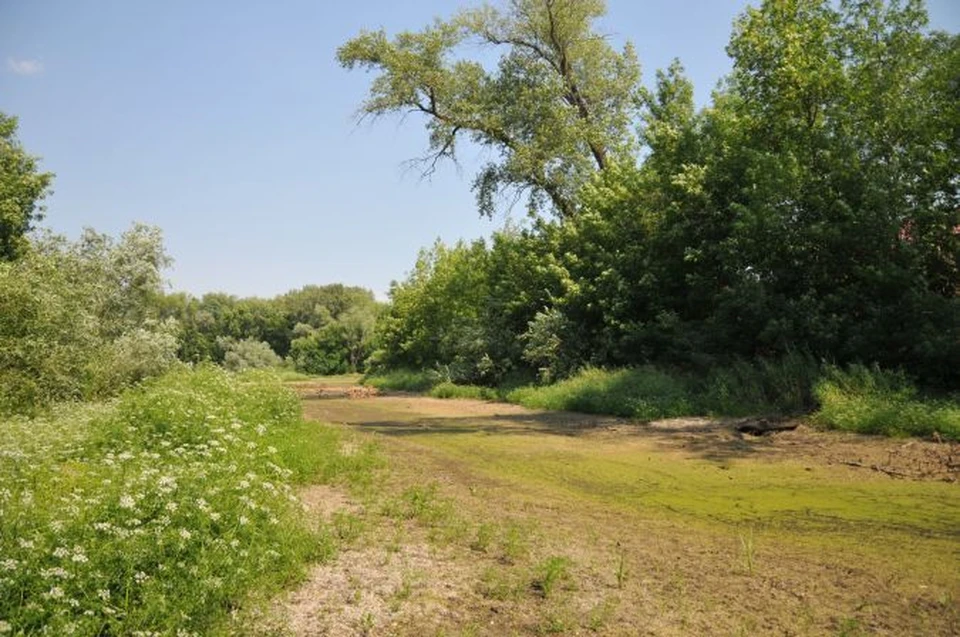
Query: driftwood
{"points": [[763, 426]]}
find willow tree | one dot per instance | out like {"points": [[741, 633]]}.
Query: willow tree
{"points": [[557, 106]]}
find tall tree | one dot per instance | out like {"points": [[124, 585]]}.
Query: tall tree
{"points": [[22, 187], [559, 106]]}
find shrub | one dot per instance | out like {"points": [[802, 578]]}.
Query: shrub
{"points": [[246, 354], [764, 386], [872, 401], [644, 393], [323, 351], [404, 380], [137, 354], [447, 389]]}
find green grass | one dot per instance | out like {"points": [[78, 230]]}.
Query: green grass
{"points": [[162, 511], [643, 393], [872, 401], [859, 399], [822, 509], [762, 387], [403, 380], [447, 389]]}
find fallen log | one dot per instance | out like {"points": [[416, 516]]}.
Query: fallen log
{"points": [[763, 426]]}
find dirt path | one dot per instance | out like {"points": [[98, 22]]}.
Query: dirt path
{"points": [[494, 519]]}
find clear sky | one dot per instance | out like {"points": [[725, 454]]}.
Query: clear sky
{"points": [[231, 126]]}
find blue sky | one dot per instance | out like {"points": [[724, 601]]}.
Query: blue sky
{"points": [[231, 126]]}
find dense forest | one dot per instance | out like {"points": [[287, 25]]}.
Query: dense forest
{"points": [[811, 208]]}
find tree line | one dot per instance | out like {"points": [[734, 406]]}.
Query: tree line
{"points": [[83, 319], [812, 206]]}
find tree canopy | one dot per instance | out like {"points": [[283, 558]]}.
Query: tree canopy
{"points": [[812, 206], [22, 188], [558, 107]]}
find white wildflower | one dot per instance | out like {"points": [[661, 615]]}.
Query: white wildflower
{"points": [[127, 502], [104, 594], [185, 534], [9, 564], [55, 593]]}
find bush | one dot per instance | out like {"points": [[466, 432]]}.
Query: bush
{"points": [[765, 386], [447, 389], [323, 352], [404, 380], [247, 354], [872, 401], [76, 319], [136, 355], [644, 393], [159, 513]]}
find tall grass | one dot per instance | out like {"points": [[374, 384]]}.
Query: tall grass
{"points": [[764, 387], [643, 393], [447, 389], [404, 380], [872, 401], [857, 398], [159, 513]]}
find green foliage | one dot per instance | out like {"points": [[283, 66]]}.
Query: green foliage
{"points": [[763, 386], [79, 319], [320, 329], [644, 393], [462, 308], [557, 108], [161, 512], [551, 573], [247, 354], [447, 389], [812, 207], [871, 401], [321, 351], [783, 386], [403, 380], [435, 315], [135, 355], [22, 188]]}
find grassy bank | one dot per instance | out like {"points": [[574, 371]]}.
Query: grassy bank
{"points": [[858, 399], [163, 511]]}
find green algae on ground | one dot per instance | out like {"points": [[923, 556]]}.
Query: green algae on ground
{"points": [[917, 523]]}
